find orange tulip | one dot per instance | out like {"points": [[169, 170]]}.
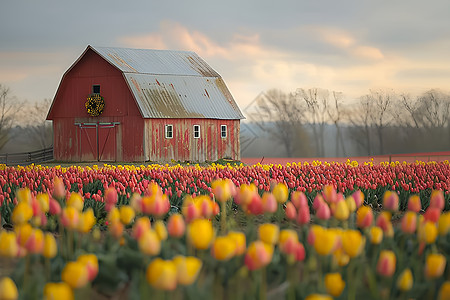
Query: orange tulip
{"points": [[364, 216], [222, 189], [259, 255], [90, 261], [75, 274], [329, 194], [409, 221], [35, 242], [291, 212], [437, 199], [269, 203], [414, 203], [140, 226], [390, 201], [149, 243], [176, 225], [70, 217]]}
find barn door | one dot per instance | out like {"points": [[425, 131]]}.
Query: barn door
{"points": [[98, 141]]}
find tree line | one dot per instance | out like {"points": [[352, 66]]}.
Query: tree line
{"points": [[379, 122]]}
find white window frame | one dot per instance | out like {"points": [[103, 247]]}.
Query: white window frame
{"points": [[223, 129], [166, 131], [196, 131]]}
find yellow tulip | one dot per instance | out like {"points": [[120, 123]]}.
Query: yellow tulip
{"points": [[427, 232], [240, 241], [44, 201], [76, 201], [140, 226], [376, 235], [364, 216], [162, 274], [444, 291], [113, 215], [50, 247], [318, 297], [24, 195], [350, 203], [334, 284], [269, 233], [435, 265], [149, 243], [87, 220], [223, 248], [23, 232], [259, 254], [342, 211], [340, 257], [8, 289], [281, 193], [70, 217], [200, 233], [126, 214], [161, 230], [325, 240], [75, 274], [57, 291], [353, 242], [405, 280], [188, 268], [444, 223], [22, 213], [221, 189], [8, 244]]}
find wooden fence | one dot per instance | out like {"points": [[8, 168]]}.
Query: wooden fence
{"points": [[26, 158]]}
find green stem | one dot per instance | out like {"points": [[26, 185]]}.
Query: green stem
{"points": [[351, 281], [223, 217], [47, 268], [263, 289]]}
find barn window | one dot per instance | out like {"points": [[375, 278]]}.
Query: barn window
{"points": [[169, 131], [196, 131], [223, 131], [96, 89]]}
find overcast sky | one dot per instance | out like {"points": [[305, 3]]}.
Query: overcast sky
{"points": [[346, 46]]}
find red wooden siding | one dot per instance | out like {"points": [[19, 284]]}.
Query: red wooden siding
{"points": [[184, 147], [75, 143]]}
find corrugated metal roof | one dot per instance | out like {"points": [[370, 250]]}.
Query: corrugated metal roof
{"points": [[165, 96], [148, 61], [173, 84]]}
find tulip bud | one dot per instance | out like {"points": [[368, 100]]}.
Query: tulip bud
{"points": [[176, 225], [414, 203], [334, 284], [149, 243], [342, 212], [325, 240], [50, 247], [200, 233], [140, 226], [116, 229], [188, 269], [70, 217], [160, 230], [432, 214], [409, 221], [444, 291], [268, 233], [75, 200], [87, 220], [43, 201], [223, 248], [259, 255], [405, 280], [353, 242], [221, 189], [364, 217], [90, 262], [390, 201], [376, 235], [303, 216], [239, 239], [281, 193], [59, 191], [444, 223], [358, 197], [54, 207], [8, 289], [323, 211], [427, 233], [24, 195], [59, 290], [291, 212], [351, 203], [299, 199], [386, 263], [437, 199], [329, 194], [435, 265], [75, 274], [22, 213], [35, 242], [318, 297], [126, 214], [162, 274], [384, 221], [110, 198], [8, 244], [269, 203]]}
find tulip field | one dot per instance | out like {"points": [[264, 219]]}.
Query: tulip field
{"points": [[296, 231]]}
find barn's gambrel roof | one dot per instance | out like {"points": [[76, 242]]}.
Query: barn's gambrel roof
{"points": [[172, 84]]}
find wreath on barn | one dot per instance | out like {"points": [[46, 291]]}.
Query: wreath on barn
{"points": [[95, 105]]}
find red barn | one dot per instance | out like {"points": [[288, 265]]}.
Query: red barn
{"points": [[118, 104]]}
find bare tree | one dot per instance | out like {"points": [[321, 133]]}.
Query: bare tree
{"points": [[281, 115], [38, 130], [335, 114], [359, 117], [9, 107], [317, 102]]}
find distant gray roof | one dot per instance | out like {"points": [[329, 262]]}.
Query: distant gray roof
{"points": [[172, 84]]}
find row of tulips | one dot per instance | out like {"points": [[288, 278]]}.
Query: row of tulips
{"points": [[240, 243], [177, 181]]}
